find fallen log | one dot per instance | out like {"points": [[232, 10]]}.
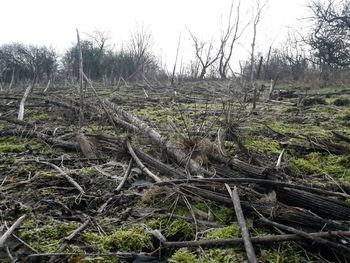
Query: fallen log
{"points": [[158, 165], [280, 211], [174, 152], [255, 240], [322, 206], [255, 181], [242, 167]]}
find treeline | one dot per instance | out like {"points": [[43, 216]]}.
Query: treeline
{"points": [[23, 63], [324, 51]]}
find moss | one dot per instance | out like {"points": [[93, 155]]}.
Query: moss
{"points": [[232, 255], [87, 171], [177, 229], [314, 163], [224, 215], [134, 239], [284, 253], [11, 148], [36, 115], [265, 146], [201, 206], [16, 145], [222, 233], [182, 256], [45, 237]]}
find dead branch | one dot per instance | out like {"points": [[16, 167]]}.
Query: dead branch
{"points": [[242, 224], [69, 179], [127, 172], [303, 234], [140, 164], [9, 231]]}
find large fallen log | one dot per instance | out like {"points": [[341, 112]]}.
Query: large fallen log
{"points": [[322, 206], [172, 150], [279, 211]]}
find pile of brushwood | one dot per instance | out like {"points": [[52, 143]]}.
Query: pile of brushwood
{"points": [[184, 173]]}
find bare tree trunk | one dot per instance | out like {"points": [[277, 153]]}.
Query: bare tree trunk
{"points": [[47, 86], [21, 105], [12, 78], [81, 83], [177, 54], [255, 86]]}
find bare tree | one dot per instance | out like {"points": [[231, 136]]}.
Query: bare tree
{"points": [[229, 36], [257, 12], [175, 63], [140, 43], [81, 82], [330, 34], [100, 38], [205, 54]]}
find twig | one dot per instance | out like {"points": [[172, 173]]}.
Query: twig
{"points": [[9, 231], [255, 240], [127, 172], [242, 224], [69, 179], [140, 164]]}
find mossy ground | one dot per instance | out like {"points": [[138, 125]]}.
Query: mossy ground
{"points": [[192, 109]]}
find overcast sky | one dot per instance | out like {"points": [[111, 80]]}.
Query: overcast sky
{"points": [[53, 22]]}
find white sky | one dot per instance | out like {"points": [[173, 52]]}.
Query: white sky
{"points": [[53, 22]]}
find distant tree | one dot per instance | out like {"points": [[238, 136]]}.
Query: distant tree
{"points": [[19, 62], [92, 60], [100, 38], [229, 37], [140, 49], [205, 54], [330, 34], [257, 13]]}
